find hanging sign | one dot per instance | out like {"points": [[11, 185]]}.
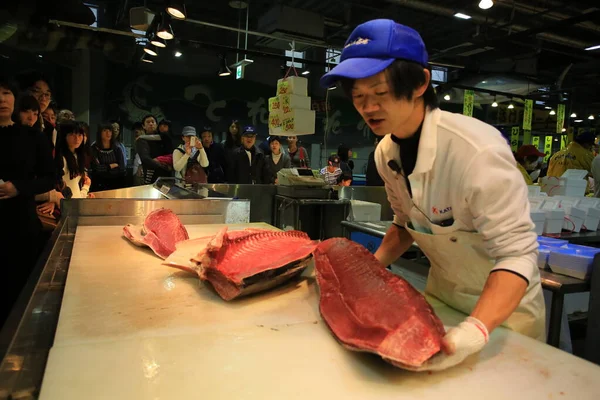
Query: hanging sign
{"points": [[564, 141], [560, 118], [468, 104], [548, 148], [526, 136], [528, 114], [514, 138]]}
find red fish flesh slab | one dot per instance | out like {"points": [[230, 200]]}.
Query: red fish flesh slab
{"points": [[161, 231], [367, 308]]}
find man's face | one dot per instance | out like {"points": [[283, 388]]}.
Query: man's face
{"points": [[373, 99], [7, 103], [207, 139], [150, 125], [49, 115], [41, 91], [248, 141]]}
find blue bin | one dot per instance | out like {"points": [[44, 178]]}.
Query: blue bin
{"points": [[370, 242]]}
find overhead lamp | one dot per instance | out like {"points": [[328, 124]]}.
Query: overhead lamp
{"points": [[462, 16], [564, 129], [176, 8], [151, 50], [447, 97], [593, 48], [332, 87], [158, 42], [552, 112], [486, 4], [591, 116], [224, 69], [164, 30], [556, 139], [573, 115], [495, 103], [578, 120], [511, 106], [177, 53], [548, 108], [146, 59], [306, 72]]}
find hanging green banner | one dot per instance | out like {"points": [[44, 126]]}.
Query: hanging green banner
{"points": [[536, 142], [528, 115], [468, 104], [564, 141], [548, 148], [514, 138], [526, 136], [560, 118], [570, 134]]}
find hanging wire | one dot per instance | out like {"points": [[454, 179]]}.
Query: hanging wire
{"points": [[292, 67]]}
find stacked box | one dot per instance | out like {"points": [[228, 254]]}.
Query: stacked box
{"points": [[290, 111]]}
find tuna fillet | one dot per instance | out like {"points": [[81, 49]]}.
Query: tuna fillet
{"points": [[367, 308], [161, 231], [239, 263]]}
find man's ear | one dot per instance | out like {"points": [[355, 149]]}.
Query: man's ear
{"points": [[419, 91]]}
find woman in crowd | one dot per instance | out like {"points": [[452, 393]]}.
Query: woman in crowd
{"points": [[69, 160], [233, 140], [118, 142], [29, 112], [25, 170], [298, 154], [345, 152], [108, 168], [189, 159], [278, 158]]}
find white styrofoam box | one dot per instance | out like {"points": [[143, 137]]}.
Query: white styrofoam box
{"points": [[576, 174], [543, 253], [275, 120], [554, 221], [364, 211], [293, 85], [592, 219], [287, 102], [572, 260], [550, 204], [536, 202], [533, 190], [298, 122], [538, 218], [571, 183], [574, 218], [589, 202]]}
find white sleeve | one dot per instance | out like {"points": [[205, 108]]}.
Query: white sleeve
{"points": [[179, 160], [202, 158], [496, 195]]}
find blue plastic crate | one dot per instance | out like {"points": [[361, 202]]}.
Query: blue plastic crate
{"points": [[370, 242]]}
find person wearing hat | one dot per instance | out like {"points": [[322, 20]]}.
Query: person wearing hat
{"points": [[331, 172], [577, 155], [189, 158], [248, 162], [528, 157], [454, 188]]}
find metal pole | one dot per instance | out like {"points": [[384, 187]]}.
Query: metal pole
{"points": [[247, 16]]}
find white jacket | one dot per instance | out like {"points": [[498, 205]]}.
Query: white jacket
{"points": [[465, 170]]}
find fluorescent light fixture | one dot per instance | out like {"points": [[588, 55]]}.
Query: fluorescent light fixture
{"points": [[332, 87], [486, 4], [578, 120], [593, 48], [548, 108], [552, 112], [573, 115], [447, 97], [305, 72], [178, 54], [462, 16], [591, 117]]}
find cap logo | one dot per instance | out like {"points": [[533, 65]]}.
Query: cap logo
{"points": [[357, 42]]}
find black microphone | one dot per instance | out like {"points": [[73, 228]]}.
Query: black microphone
{"points": [[394, 166]]}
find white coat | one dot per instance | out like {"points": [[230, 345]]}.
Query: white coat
{"points": [[465, 171]]}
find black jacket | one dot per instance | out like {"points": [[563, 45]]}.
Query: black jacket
{"points": [[148, 150], [217, 163], [243, 172], [372, 176]]}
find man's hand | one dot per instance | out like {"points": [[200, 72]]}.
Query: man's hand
{"points": [[8, 191], [46, 208], [114, 165], [467, 338]]}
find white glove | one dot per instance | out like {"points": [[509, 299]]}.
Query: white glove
{"points": [[460, 342]]}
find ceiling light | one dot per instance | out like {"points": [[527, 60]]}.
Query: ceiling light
{"points": [[556, 139], [593, 47], [578, 120], [305, 72], [176, 8], [151, 49], [178, 54], [548, 108], [486, 4], [447, 97], [484, 82], [552, 112], [224, 69], [495, 103], [158, 42], [591, 117], [564, 129], [462, 16], [146, 59], [573, 115], [511, 106], [164, 30], [40, 56], [332, 87]]}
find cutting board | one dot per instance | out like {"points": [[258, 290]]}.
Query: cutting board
{"points": [[131, 328]]}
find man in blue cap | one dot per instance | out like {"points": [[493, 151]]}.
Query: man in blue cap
{"points": [[454, 188], [248, 161]]}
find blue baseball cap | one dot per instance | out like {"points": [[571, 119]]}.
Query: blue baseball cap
{"points": [[374, 46], [249, 131]]}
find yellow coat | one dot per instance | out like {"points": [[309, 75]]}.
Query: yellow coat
{"points": [[574, 156], [526, 175]]}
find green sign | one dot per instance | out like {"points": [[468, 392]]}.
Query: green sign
{"points": [[536, 142], [239, 72], [526, 136], [564, 141], [548, 148], [514, 138], [528, 115], [468, 105], [560, 118]]}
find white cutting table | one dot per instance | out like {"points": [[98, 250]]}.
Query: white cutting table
{"points": [[131, 328]]}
